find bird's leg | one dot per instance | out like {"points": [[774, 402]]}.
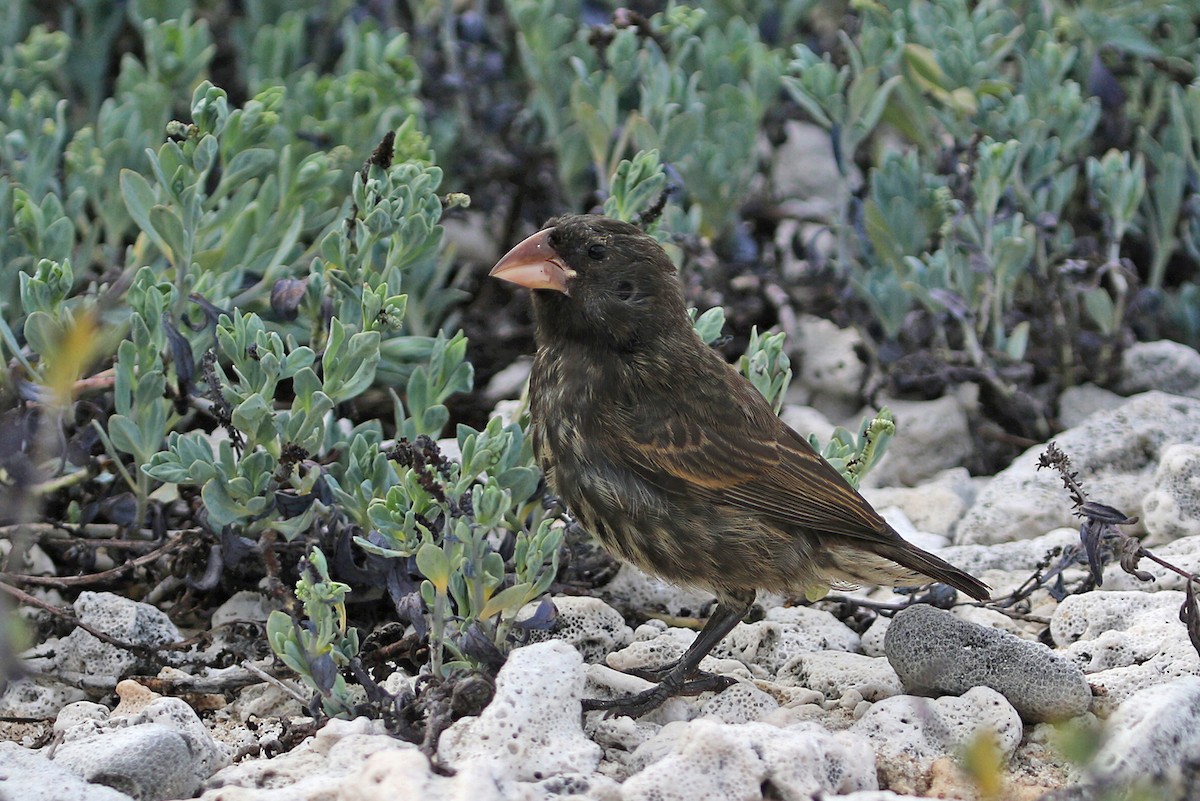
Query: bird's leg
{"points": [[673, 679]]}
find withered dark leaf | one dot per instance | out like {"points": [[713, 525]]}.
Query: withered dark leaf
{"points": [[354, 565], [286, 296], [1091, 535], [542, 619], [324, 672], [1058, 590], [234, 547], [409, 609], [1131, 554], [952, 302], [290, 505], [478, 646], [1102, 83], [212, 571], [212, 312], [120, 509], [1105, 514], [943, 596], [181, 354], [1189, 614]]}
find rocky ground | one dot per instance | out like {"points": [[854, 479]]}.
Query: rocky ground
{"points": [[1057, 689]]}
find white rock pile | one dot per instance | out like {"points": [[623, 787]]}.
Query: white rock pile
{"points": [[915, 705]]}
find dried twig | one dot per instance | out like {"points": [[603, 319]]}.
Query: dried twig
{"points": [[287, 687], [65, 582], [1101, 537]]}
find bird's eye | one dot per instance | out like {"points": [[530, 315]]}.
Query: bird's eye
{"points": [[623, 290], [597, 252]]}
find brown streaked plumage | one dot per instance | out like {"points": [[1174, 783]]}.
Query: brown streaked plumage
{"points": [[672, 458]]}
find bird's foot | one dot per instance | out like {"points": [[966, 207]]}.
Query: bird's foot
{"points": [[648, 700], [656, 674]]}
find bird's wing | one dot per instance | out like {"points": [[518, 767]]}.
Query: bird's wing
{"points": [[735, 451]]}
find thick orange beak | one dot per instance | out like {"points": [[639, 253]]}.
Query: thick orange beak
{"points": [[534, 264]]}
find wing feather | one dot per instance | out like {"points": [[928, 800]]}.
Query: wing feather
{"points": [[735, 451]]}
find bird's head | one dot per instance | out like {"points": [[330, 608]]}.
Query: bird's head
{"points": [[598, 280]]}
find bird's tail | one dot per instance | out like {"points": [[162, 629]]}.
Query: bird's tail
{"points": [[934, 567], [893, 562]]}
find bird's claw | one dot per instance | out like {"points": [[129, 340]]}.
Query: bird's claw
{"points": [[635, 706], [657, 674], [632, 705]]}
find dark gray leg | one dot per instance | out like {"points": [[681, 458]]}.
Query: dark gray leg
{"points": [[673, 679]]}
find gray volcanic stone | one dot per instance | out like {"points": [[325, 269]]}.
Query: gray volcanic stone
{"points": [[27, 775], [934, 652], [1163, 365], [150, 762], [163, 751]]}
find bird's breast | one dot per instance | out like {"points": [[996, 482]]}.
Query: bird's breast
{"points": [[573, 406]]}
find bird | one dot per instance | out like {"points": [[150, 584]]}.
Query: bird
{"points": [[671, 458]]}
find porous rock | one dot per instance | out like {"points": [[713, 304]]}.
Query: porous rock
{"points": [[826, 359], [589, 624], [879, 795], [85, 661], [805, 420], [316, 770], [1116, 453], [80, 714], [264, 701], [934, 652], [510, 381], [655, 646], [243, 605], [41, 698], [804, 167], [705, 760], [1154, 741], [898, 520], [405, 773], [27, 775], [135, 697], [872, 638], [909, 734], [835, 673], [30, 560], [783, 632], [1090, 615], [758, 648], [1018, 558], [633, 589], [79, 652], [1078, 403], [162, 751], [620, 735], [1125, 642], [1175, 656], [531, 730], [934, 506], [740, 703], [1165, 365], [1172, 509]]}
